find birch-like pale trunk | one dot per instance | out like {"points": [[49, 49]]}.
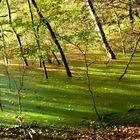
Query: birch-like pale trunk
{"points": [[99, 28]]}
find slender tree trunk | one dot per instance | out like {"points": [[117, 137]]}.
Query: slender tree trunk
{"points": [[99, 28], [58, 62], [120, 32], [45, 70], [131, 57], [130, 12], [5, 56], [17, 35], [90, 88], [41, 61], [35, 32], [46, 23], [21, 49]]}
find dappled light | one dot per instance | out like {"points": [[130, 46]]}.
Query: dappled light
{"points": [[69, 70]]}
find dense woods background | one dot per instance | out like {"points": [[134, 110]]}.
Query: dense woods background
{"points": [[70, 21]]}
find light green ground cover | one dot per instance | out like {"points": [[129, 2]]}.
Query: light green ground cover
{"points": [[61, 100]]}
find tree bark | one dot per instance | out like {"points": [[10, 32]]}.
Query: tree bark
{"points": [[130, 12], [99, 28], [41, 61], [131, 57], [17, 35], [4, 52], [46, 23], [120, 32], [58, 62]]}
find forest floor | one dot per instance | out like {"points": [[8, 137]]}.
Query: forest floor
{"points": [[61, 107], [68, 133]]}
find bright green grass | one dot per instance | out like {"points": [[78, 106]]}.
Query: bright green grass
{"points": [[61, 100]]}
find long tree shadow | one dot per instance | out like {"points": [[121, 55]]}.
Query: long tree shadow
{"points": [[65, 100]]}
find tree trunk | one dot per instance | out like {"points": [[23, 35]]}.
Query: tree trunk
{"points": [[53, 37], [45, 70], [4, 52], [120, 32], [58, 62], [17, 35], [130, 12], [41, 61], [21, 49], [99, 28]]}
